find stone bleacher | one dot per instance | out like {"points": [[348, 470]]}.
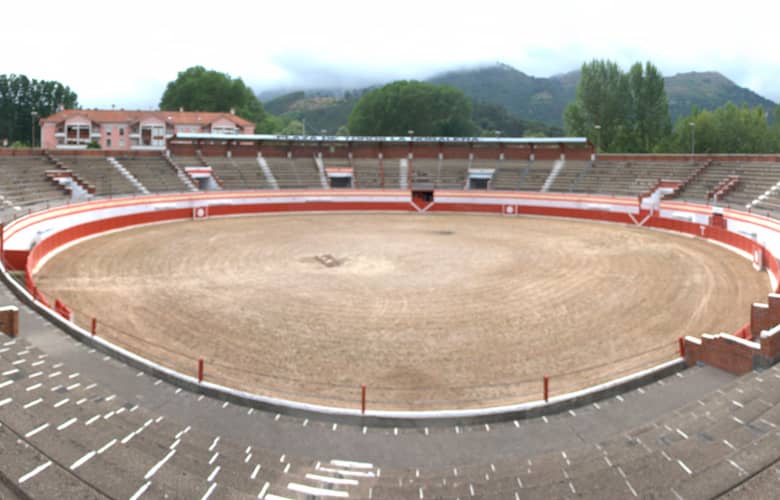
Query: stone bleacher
{"points": [[755, 179], [424, 171], [23, 182], [154, 173], [99, 173], [535, 175], [366, 173], [239, 173], [68, 434], [508, 174], [630, 178], [444, 174], [453, 174], [392, 173], [569, 176], [296, 173]]}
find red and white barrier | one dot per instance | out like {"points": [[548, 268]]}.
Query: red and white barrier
{"points": [[30, 240]]}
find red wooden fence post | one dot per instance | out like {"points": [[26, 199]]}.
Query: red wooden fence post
{"points": [[682, 347], [200, 370], [94, 327], [363, 398], [546, 388]]}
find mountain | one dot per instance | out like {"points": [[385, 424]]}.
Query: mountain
{"points": [[708, 90], [271, 94], [544, 99], [329, 113], [524, 96], [318, 111], [529, 99]]}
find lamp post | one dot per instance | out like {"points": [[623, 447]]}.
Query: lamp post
{"points": [[33, 115], [693, 138], [598, 137]]}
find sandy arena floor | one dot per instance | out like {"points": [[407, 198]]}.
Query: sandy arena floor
{"points": [[429, 311]]}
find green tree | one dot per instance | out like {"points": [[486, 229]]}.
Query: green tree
{"points": [[602, 100], [20, 96], [648, 122], [293, 127], [199, 89], [494, 120], [627, 112], [728, 129], [775, 132], [425, 108]]}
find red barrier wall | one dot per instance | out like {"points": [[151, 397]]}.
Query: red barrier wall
{"points": [[724, 353]]}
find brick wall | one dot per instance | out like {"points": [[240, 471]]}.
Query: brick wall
{"points": [[721, 351], [736, 355]]}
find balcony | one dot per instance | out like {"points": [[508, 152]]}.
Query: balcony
{"points": [[95, 135]]}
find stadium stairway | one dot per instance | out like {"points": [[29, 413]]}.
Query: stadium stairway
{"points": [[269, 176], [127, 175]]}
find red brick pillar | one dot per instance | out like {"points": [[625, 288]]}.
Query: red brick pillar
{"points": [[9, 320]]}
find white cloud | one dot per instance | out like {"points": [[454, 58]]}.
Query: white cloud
{"points": [[124, 55]]}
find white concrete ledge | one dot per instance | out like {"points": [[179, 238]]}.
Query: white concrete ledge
{"points": [[739, 340], [765, 334]]}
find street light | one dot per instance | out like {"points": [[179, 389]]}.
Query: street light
{"points": [[34, 115], [598, 137], [693, 138]]}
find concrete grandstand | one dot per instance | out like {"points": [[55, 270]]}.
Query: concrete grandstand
{"points": [[82, 419]]}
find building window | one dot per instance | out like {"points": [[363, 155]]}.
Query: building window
{"points": [[121, 132], [108, 129], [108, 143], [121, 141]]}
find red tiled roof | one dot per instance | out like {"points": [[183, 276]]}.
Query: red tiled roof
{"points": [[122, 116]]}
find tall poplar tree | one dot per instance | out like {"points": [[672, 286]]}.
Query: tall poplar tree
{"points": [[620, 111], [20, 96]]}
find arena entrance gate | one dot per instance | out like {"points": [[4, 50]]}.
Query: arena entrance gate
{"points": [[340, 177], [422, 197], [480, 178]]}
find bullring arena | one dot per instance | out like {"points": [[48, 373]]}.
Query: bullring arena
{"points": [[429, 311], [528, 321]]}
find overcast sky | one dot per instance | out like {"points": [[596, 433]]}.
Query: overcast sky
{"points": [[124, 54]]}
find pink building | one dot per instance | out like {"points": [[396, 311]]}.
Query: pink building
{"points": [[132, 130]]}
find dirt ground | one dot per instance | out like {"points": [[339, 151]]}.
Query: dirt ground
{"points": [[429, 311]]}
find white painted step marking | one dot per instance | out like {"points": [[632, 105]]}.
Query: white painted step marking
{"points": [[141, 491], [351, 464], [331, 480], [34, 472], [159, 464], [78, 463]]}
